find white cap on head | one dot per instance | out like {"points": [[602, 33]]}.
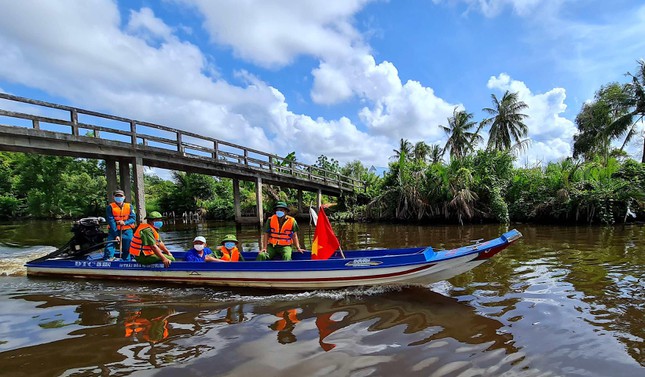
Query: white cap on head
{"points": [[200, 239]]}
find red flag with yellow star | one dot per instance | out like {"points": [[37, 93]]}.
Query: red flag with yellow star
{"points": [[325, 242]]}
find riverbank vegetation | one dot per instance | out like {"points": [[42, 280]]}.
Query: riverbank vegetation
{"points": [[465, 180]]}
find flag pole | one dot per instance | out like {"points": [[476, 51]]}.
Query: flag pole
{"points": [[341, 251]]}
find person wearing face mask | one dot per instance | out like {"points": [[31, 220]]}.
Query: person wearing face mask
{"points": [[280, 233], [199, 252], [229, 252], [146, 246], [121, 221]]}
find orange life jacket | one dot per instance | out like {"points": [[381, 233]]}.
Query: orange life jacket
{"points": [[137, 246], [281, 236], [148, 329], [287, 317], [121, 213], [232, 256]]}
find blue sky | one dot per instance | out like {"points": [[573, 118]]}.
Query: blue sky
{"points": [[345, 78]]}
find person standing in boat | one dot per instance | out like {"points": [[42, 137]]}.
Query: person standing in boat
{"points": [[229, 252], [146, 246], [121, 221], [280, 233], [199, 252]]}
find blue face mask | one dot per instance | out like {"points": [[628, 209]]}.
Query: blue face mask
{"points": [[279, 213], [119, 199], [157, 224], [229, 245]]}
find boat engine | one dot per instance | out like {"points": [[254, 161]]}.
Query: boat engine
{"points": [[88, 237]]}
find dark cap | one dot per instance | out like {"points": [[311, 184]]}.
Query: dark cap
{"points": [[281, 205], [118, 192]]}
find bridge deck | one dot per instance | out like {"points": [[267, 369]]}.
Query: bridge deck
{"points": [[40, 127]]}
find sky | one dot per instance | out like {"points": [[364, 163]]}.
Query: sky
{"points": [[342, 78]]}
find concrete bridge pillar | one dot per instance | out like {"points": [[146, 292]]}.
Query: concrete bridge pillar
{"points": [[139, 190], [125, 181], [299, 201], [258, 196], [110, 175], [236, 201]]}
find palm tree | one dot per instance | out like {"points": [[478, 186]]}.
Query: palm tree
{"points": [[405, 148], [461, 140], [607, 118], [507, 122], [420, 151], [626, 122], [435, 155]]}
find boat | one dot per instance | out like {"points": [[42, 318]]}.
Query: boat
{"points": [[408, 266]]}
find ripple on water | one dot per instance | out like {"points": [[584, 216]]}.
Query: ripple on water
{"points": [[13, 263]]}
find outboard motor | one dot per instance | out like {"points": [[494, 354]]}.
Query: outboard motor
{"points": [[88, 237]]}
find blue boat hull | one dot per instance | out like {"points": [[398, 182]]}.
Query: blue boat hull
{"points": [[413, 266]]}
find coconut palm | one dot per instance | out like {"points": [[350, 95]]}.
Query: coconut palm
{"points": [[405, 148], [461, 141], [608, 117], [627, 122], [420, 151], [507, 122], [435, 154]]}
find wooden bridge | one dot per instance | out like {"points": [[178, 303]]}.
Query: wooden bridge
{"points": [[32, 126]]}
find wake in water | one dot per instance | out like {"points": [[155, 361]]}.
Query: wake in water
{"points": [[12, 262]]}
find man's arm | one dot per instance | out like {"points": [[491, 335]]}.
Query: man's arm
{"points": [[297, 243], [109, 217], [132, 219], [159, 254], [163, 247]]}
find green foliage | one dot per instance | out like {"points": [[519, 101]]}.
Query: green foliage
{"points": [[9, 206], [55, 186]]}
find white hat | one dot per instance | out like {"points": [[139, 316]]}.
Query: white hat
{"points": [[200, 238]]}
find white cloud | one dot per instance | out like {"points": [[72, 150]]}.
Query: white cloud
{"points": [[414, 113], [274, 33], [492, 8], [146, 24]]}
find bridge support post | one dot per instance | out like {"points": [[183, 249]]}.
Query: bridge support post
{"points": [[110, 175], [319, 198], [236, 200], [299, 201], [258, 197], [125, 179], [139, 189]]}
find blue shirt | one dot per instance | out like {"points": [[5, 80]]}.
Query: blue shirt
{"points": [[192, 255]]}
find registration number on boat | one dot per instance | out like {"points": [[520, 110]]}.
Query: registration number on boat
{"points": [[362, 262]]}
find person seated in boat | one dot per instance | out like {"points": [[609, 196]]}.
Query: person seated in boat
{"points": [[199, 252], [280, 234], [121, 221], [146, 246], [229, 252]]}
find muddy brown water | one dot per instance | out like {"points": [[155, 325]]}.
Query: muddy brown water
{"points": [[563, 301]]}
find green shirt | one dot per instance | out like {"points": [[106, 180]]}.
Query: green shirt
{"points": [[147, 237], [281, 221]]}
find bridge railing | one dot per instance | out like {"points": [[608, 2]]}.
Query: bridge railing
{"points": [[63, 119]]}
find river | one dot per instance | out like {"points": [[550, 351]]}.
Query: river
{"points": [[563, 301]]}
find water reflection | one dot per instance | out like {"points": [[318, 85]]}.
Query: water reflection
{"points": [[143, 331]]}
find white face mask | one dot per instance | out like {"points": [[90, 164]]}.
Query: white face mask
{"points": [[199, 247]]}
